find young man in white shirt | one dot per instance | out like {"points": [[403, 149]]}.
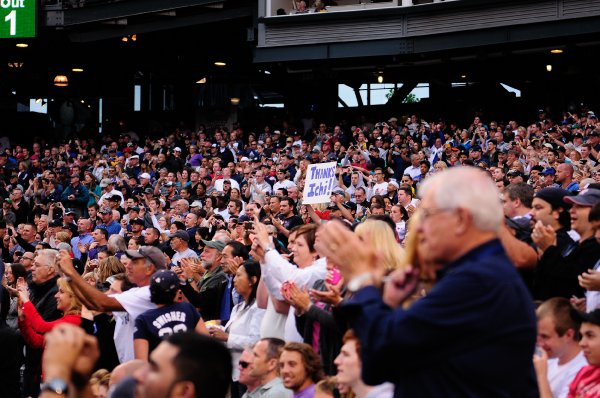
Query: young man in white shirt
{"points": [[562, 358]]}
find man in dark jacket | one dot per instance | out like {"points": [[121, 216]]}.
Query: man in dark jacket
{"points": [[211, 285], [43, 288], [479, 309]]}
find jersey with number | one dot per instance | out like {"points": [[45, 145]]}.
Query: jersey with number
{"points": [[158, 324]]}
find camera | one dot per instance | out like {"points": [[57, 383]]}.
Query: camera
{"points": [[248, 226]]}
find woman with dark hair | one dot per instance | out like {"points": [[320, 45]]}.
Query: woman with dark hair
{"points": [[12, 272], [377, 199], [243, 328], [171, 315]]}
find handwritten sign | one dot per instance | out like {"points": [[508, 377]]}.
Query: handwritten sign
{"points": [[320, 181]]}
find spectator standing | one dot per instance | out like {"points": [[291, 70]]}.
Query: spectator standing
{"points": [[461, 217]]}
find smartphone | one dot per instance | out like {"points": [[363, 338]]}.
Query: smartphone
{"points": [[334, 276]]}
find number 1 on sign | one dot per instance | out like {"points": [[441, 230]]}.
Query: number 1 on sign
{"points": [[12, 17]]}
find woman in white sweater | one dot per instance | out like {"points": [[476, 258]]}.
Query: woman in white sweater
{"points": [[243, 328]]}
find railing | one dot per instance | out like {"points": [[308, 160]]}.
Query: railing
{"points": [[281, 8]]}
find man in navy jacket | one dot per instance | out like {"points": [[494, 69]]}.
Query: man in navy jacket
{"points": [[474, 333]]}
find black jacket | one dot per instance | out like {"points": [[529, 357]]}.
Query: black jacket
{"points": [[208, 299]]}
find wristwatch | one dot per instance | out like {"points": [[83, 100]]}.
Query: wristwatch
{"points": [[357, 282], [57, 386]]}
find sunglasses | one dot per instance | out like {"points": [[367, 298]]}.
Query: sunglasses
{"points": [[244, 364]]}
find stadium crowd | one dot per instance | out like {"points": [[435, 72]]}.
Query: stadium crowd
{"points": [[449, 261]]}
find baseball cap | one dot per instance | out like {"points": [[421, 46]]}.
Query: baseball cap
{"points": [[588, 197], [338, 191], [105, 210], [69, 212], [145, 176], [349, 205], [196, 203], [215, 244], [514, 173], [177, 149], [149, 190], [55, 223], [164, 281], [554, 196], [181, 235], [476, 148], [137, 221], [105, 182], [134, 208], [152, 253], [244, 159], [395, 184], [549, 171], [170, 184], [114, 198]]}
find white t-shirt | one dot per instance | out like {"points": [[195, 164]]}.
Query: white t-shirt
{"points": [[219, 184], [273, 323], [413, 172], [135, 301], [277, 270], [560, 376], [287, 184], [380, 189], [184, 254]]}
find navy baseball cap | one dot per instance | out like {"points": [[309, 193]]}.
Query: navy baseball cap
{"points": [[164, 281]]}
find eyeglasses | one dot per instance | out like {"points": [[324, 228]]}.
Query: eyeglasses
{"points": [[426, 213], [244, 364], [27, 258]]}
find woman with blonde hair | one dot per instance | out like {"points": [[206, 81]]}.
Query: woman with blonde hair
{"points": [[62, 237], [99, 383], [380, 236], [439, 166], [33, 327], [415, 258]]}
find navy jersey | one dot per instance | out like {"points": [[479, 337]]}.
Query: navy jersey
{"points": [[157, 324]]}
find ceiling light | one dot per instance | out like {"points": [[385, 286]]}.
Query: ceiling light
{"points": [[79, 70], [37, 101], [133, 37], [463, 76], [380, 78], [549, 68], [125, 39], [235, 101], [557, 51], [61, 81], [15, 65], [22, 45], [220, 63], [201, 81]]}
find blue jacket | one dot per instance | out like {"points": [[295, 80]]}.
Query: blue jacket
{"points": [[472, 336]]}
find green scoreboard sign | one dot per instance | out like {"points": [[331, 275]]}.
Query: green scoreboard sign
{"points": [[17, 18]]}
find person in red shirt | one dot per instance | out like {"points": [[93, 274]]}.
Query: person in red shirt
{"points": [[587, 382], [33, 326]]}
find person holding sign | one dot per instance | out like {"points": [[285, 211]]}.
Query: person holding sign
{"points": [[320, 181]]}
